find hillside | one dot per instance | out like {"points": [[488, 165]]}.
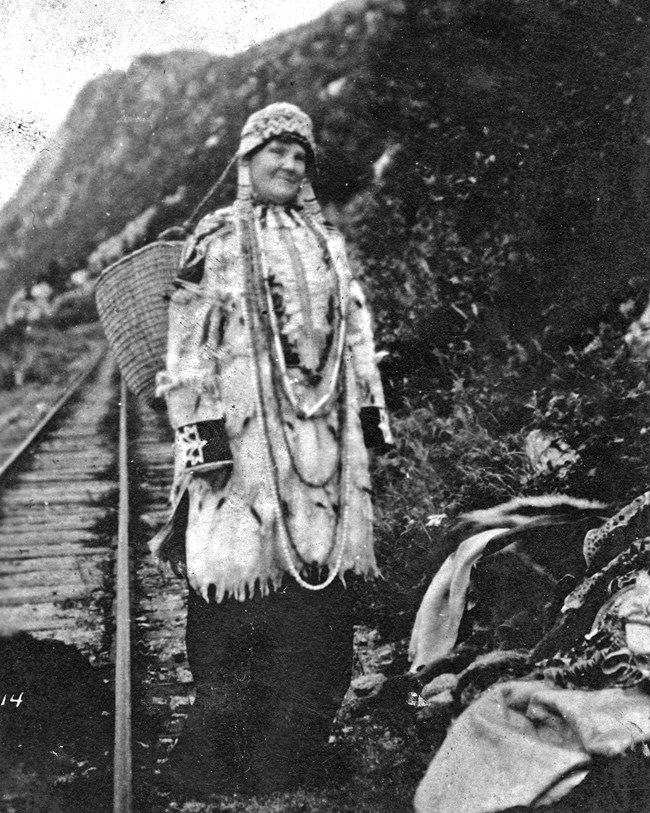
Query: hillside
{"points": [[517, 124], [173, 120], [523, 161]]}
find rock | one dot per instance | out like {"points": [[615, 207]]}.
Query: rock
{"points": [[440, 705], [366, 686], [441, 684]]}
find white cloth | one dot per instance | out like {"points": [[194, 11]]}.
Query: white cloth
{"points": [[528, 743], [438, 618]]}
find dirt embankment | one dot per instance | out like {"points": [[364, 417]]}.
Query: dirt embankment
{"points": [[44, 362]]}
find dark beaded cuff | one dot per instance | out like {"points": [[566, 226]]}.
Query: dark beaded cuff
{"points": [[204, 445]]}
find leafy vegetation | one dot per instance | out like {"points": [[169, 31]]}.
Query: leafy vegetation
{"points": [[504, 251]]}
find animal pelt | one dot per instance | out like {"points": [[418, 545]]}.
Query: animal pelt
{"points": [[517, 561], [548, 529], [519, 604]]}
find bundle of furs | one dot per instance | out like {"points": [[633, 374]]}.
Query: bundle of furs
{"points": [[506, 568], [535, 594], [592, 659]]}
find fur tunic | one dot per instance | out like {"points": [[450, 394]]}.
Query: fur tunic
{"points": [[286, 468]]}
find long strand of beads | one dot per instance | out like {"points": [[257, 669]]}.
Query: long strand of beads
{"points": [[279, 353], [243, 223], [280, 400], [280, 403], [271, 326], [341, 527], [341, 273]]}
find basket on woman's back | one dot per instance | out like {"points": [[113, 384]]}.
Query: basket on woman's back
{"points": [[133, 303]]}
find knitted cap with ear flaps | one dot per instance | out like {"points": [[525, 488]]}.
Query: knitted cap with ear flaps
{"points": [[274, 120], [279, 118]]}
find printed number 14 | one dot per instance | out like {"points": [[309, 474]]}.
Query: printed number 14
{"points": [[17, 700]]}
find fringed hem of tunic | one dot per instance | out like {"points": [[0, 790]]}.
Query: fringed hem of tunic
{"points": [[217, 591]]}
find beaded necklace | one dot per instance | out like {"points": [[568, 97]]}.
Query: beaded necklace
{"points": [[248, 237], [282, 384], [261, 265]]}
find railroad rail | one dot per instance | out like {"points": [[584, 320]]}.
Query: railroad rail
{"points": [[84, 613]]}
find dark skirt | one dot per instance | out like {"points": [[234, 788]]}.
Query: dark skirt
{"points": [[270, 675]]}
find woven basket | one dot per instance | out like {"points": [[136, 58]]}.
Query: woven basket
{"points": [[133, 304]]}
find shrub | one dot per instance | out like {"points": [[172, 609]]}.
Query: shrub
{"points": [[598, 402], [441, 465]]}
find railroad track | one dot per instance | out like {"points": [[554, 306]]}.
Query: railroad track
{"points": [[80, 624]]}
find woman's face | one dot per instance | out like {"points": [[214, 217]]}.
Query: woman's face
{"points": [[278, 170]]}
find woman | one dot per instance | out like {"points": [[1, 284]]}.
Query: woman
{"points": [[271, 386]]}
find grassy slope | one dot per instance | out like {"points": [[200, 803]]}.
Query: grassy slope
{"points": [[48, 359]]}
